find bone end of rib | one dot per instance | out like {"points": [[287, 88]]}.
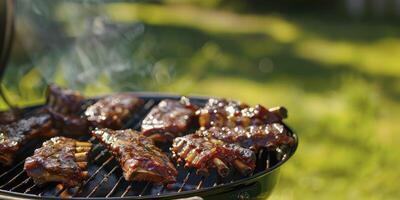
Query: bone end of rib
{"points": [[242, 167], [80, 149], [82, 165], [83, 144], [82, 156], [222, 168], [85, 174], [279, 110]]}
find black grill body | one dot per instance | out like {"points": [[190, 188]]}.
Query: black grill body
{"points": [[106, 180]]}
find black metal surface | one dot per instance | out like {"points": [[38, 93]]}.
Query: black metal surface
{"points": [[6, 39], [106, 180]]}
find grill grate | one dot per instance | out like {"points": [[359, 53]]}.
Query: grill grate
{"points": [[106, 176]]}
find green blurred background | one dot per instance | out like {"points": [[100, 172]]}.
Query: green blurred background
{"points": [[334, 64]]}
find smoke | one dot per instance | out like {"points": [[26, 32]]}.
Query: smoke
{"points": [[75, 44]]}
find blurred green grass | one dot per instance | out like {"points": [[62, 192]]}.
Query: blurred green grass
{"points": [[338, 78]]}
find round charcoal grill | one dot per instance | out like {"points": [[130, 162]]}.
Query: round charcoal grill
{"points": [[106, 181]]}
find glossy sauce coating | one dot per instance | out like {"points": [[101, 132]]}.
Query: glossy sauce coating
{"points": [[169, 119], [13, 136], [139, 158], [111, 111], [224, 113], [198, 152], [56, 161], [270, 136]]}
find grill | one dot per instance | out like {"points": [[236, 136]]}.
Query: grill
{"points": [[106, 181]]}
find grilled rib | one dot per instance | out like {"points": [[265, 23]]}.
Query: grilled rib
{"points": [[204, 153], [111, 111], [63, 100], [169, 119], [224, 113], [15, 135], [270, 136], [60, 159], [139, 158], [65, 106]]}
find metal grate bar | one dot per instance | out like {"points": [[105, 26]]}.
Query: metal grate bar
{"points": [[20, 184], [11, 180], [144, 189], [161, 190], [96, 146], [102, 181], [98, 170], [94, 174], [115, 187], [260, 153], [267, 162], [184, 182], [127, 190], [200, 184], [12, 169], [30, 188], [102, 153]]}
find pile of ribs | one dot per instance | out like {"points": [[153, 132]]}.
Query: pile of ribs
{"points": [[231, 134], [60, 159], [221, 135]]}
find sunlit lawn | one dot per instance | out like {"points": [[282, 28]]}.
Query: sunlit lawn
{"points": [[340, 81]]}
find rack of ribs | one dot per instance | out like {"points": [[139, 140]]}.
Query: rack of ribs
{"points": [[224, 113], [169, 119], [270, 136], [65, 107], [15, 135], [111, 111], [60, 159], [204, 153], [138, 157]]}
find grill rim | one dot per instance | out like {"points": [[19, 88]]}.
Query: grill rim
{"points": [[6, 194]]}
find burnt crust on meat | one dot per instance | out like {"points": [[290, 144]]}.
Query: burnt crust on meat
{"points": [[111, 111], [15, 135], [60, 159], [169, 119], [139, 158]]}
